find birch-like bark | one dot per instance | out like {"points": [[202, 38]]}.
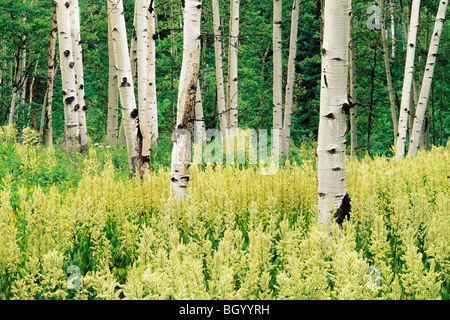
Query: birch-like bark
{"points": [[14, 87], [113, 93], [72, 128], [221, 102], [427, 79], [151, 76], [182, 137], [233, 64], [133, 45], [388, 70], [407, 80], [126, 86], [199, 124], [31, 96], [353, 100], [80, 107], [286, 131], [142, 61], [150, 120], [277, 98], [331, 170], [391, 7]]}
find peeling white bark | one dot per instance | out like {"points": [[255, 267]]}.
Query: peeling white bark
{"points": [[182, 138], [72, 129], [286, 131], [417, 129], [277, 98], [233, 63], [331, 166], [78, 68], [221, 102], [126, 86], [113, 93], [407, 80]]}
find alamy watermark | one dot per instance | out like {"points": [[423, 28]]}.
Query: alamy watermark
{"points": [[374, 20]]}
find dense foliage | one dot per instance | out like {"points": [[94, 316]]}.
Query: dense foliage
{"points": [[238, 234], [375, 133]]}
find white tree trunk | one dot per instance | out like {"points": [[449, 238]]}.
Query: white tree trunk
{"points": [[14, 84], [149, 125], [79, 73], [353, 100], [199, 124], [126, 86], [182, 144], [286, 131], [407, 80], [331, 170], [277, 98], [392, 29], [388, 70], [72, 128], [419, 118], [133, 46], [233, 64], [113, 93], [221, 102], [142, 60]]}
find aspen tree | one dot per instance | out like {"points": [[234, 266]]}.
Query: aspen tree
{"points": [[331, 170], [286, 131], [233, 63], [113, 93], [77, 50], [126, 85], [427, 79], [353, 100], [72, 128], [277, 98], [142, 58], [149, 125], [388, 69], [182, 137], [391, 6], [221, 102], [407, 80]]}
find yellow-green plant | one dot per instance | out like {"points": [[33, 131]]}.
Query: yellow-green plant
{"points": [[237, 235]]}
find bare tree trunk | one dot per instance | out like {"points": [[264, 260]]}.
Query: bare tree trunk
{"points": [[277, 97], [182, 138], [221, 102], [353, 100], [30, 99], [233, 65], [331, 170], [142, 60], [388, 70], [79, 72], [126, 86], [427, 78], [199, 124], [113, 93], [407, 80], [150, 134], [14, 87], [133, 46], [286, 131], [72, 129], [391, 7]]}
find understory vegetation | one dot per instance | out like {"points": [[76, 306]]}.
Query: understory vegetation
{"points": [[238, 234]]}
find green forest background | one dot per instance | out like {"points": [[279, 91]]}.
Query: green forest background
{"points": [[374, 124]]}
